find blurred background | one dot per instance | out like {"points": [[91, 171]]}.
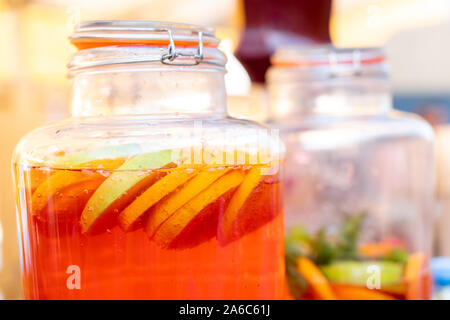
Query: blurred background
{"points": [[34, 51]]}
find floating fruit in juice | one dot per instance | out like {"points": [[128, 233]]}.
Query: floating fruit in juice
{"points": [[115, 229], [150, 190]]}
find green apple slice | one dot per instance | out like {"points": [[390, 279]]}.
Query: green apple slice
{"points": [[120, 182], [108, 152], [358, 273]]}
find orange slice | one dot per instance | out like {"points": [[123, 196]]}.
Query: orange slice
{"points": [[375, 249], [348, 292], [36, 177], [251, 181], [68, 203], [315, 279], [165, 208], [175, 224], [203, 226], [417, 277], [153, 194], [382, 248], [62, 179]]}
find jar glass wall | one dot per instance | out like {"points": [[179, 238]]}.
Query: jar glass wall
{"points": [[149, 191], [359, 179]]}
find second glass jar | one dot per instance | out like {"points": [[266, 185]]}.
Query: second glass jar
{"points": [[359, 178]]}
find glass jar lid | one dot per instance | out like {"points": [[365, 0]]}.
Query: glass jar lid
{"points": [[331, 61], [112, 42]]}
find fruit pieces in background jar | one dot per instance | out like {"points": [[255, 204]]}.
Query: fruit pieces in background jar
{"points": [[335, 255], [418, 277], [356, 272], [153, 194], [317, 282], [348, 286], [348, 279], [71, 182], [321, 247], [122, 187], [167, 206], [349, 292], [375, 250], [390, 247], [175, 224], [322, 288]]}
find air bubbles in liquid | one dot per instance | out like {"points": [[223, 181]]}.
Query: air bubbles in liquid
{"points": [[103, 173]]}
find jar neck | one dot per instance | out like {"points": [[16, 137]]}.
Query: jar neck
{"points": [[153, 89], [340, 96]]}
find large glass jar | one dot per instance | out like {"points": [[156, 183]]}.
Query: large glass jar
{"points": [[149, 191], [359, 178]]}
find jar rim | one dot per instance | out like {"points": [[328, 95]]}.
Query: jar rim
{"points": [[139, 25], [326, 55], [99, 33], [327, 61], [166, 42]]}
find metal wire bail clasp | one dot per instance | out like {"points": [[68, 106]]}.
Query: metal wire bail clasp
{"points": [[356, 56], [170, 57]]}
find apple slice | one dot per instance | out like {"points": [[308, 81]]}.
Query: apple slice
{"points": [[231, 223], [355, 272], [175, 224], [153, 194], [108, 152], [120, 183], [63, 179], [163, 210]]}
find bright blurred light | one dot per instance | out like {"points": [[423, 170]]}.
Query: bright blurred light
{"points": [[192, 11], [360, 23], [8, 52], [237, 80]]}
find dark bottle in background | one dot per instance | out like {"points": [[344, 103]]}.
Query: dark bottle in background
{"points": [[271, 23]]}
